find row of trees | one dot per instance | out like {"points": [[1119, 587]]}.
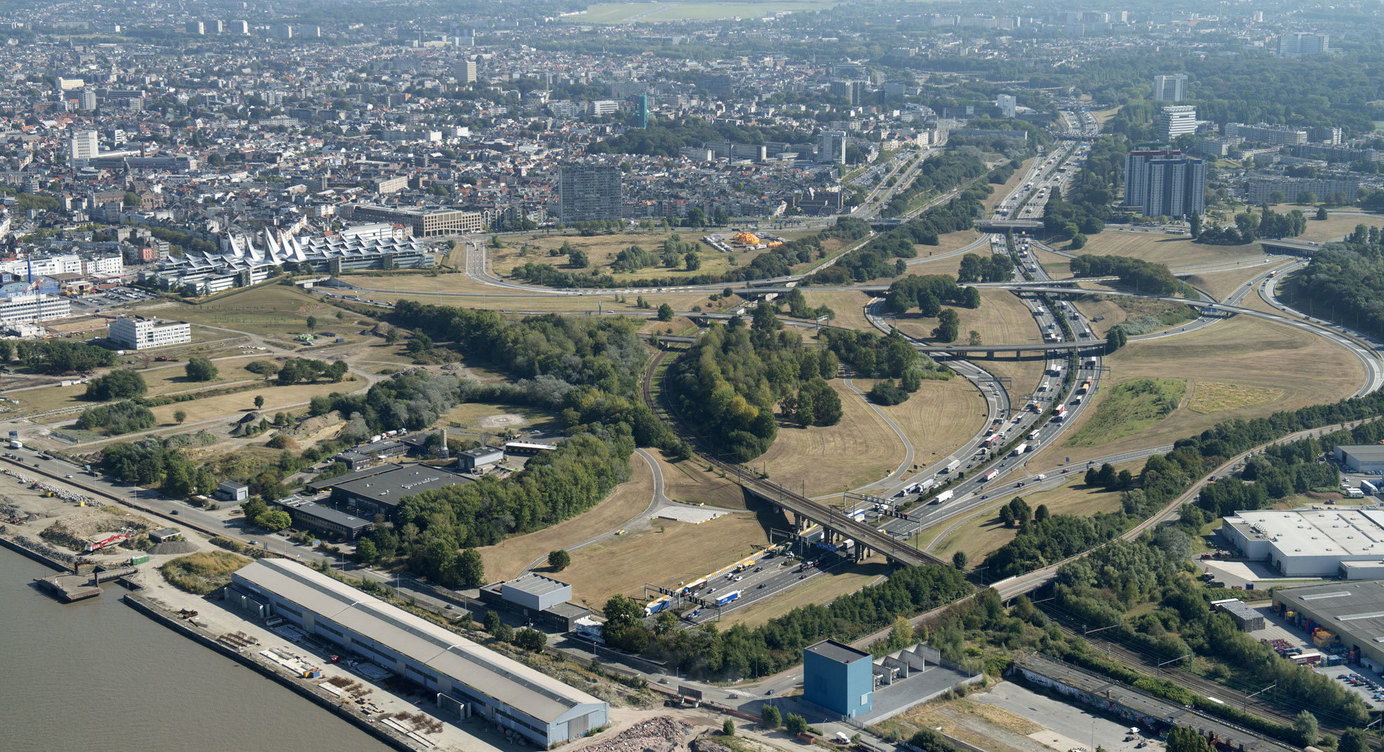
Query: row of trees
{"points": [[1151, 577], [1144, 276], [888, 357], [993, 268], [1165, 476], [744, 652], [937, 175], [884, 255], [1250, 227], [775, 262], [58, 355], [928, 293], [1344, 282]]}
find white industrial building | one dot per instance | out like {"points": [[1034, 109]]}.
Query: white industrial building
{"points": [[140, 333], [1346, 543], [31, 307], [461, 677], [1362, 458], [241, 262]]}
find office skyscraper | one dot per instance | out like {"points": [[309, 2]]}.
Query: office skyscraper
{"points": [[88, 99], [1303, 43], [641, 110], [196, 27], [831, 147], [240, 27], [587, 192], [1164, 183], [1171, 88], [1008, 105], [83, 146], [1175, 120], [468, 72]]}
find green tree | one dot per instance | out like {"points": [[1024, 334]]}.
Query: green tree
{"points": [[1353, 740], [974, 338], [769, 716], [470, 569], [179, 416], [692, 261], [367, 552], [259, 401], [665, 312], [948, 325], [531, 640], [262, 368], [491, 621], [795, 724], [124, 383], [559, 560], [274, 520], [200, 369], [578, 259], [1305, 726], [959, 560], [311, 322], [728, 728], [1116, 338], [1186, 739], [1321, 213]]}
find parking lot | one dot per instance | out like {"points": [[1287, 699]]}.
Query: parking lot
{"points": [[1366, 683]]}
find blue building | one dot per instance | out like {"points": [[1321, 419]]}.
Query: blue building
{"points": [[641, 110], [838, 677]]}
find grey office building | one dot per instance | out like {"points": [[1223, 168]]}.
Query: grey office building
{"points": [[1171, 88], [1164, 183], [587, 192]]}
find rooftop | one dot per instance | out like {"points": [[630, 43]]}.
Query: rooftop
{"points": [[837, 651], [1356, 606], [388, 484], [1364, 452], [535, 584], [1315, 532], [329, 514], [508, 681]]}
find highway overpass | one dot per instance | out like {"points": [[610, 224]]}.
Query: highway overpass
{"points": [[802, 510]]}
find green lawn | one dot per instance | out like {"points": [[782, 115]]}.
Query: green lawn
{"points": [[1130, 408]]}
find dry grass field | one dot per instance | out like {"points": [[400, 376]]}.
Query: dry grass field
{"points": [[1057, 266], [601, 250], [1001, 319], [273, 310], [161, 380], [459, 290], [1173, 250], [848, 305], [1220, 285], [232, 406], [669, 553], [982, 533], [977, 723], [1337, 225], [690, 481], [939, 417], [1250, 368], [512, 557], [821, 589], [830, 459]]}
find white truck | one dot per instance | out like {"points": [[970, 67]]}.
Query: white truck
{"points": [[944, 496]]}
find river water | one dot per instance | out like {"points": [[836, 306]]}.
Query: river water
{"points": [[99, 675]]}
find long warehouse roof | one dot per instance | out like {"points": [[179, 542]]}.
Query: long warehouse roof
{"points": [[504, 679]]}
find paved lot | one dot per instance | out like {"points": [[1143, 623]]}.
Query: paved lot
{"points": [[1068, 722]]}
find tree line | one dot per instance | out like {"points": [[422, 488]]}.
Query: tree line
{"points": [[1144, 276], [1163, 478], [883, 255], [1344, 282]]}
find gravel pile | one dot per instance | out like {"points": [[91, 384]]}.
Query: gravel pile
{"points": [[662, 734], [173, 547]]}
